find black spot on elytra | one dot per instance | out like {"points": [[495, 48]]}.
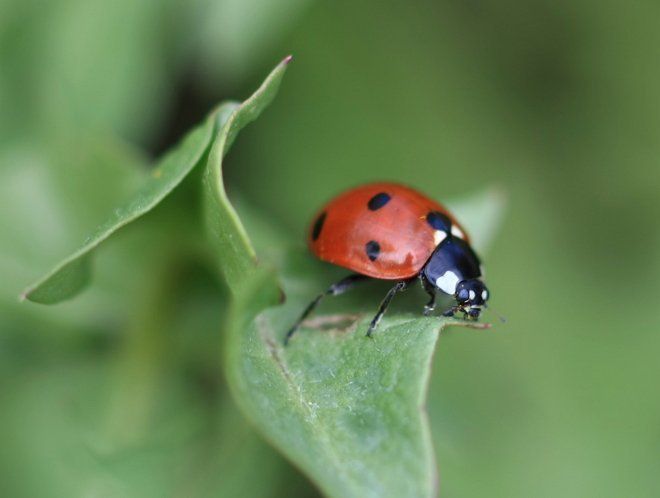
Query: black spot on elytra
{"points": [[373, 249], [318, 226], [378, 201], [439, 221]]}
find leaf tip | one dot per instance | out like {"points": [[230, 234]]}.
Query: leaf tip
{"points": [[26, 294], [287, 59]]}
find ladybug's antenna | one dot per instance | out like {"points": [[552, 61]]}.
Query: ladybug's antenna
{"points": [[502, 319]]}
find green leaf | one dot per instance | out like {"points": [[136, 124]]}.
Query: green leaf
{"points": [[228, 236], [42, 189], [71, 275], [347, 410]]}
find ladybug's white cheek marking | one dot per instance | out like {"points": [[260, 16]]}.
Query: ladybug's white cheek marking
{"points": [[439, 236], [447, 282], [473, 295], [484, 294], [457, 232]]}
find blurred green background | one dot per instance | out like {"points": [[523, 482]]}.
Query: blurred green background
{"points": [[557, 103]]}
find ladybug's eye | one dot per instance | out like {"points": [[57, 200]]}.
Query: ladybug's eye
{"points": [[463, 295]]}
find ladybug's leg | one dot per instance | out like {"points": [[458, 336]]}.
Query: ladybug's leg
{"points": [[430, 290], [336, 289], [399, 287], [451, 311]]}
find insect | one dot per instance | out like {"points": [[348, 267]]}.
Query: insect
{"points": [[392, 232]]}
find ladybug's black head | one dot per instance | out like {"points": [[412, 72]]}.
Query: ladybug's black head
{"points": [[471, 295]]}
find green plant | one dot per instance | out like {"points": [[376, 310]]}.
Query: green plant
{"points": [[348, 411]]}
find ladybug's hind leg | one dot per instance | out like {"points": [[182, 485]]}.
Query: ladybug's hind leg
{"points": [[399, 287], [345, 284]]}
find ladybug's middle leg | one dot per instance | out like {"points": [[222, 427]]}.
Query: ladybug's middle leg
{"points": [[430, 290], [399, 287], [345, 284]]}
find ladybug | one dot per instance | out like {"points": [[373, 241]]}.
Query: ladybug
{"points": [[388, 231]]}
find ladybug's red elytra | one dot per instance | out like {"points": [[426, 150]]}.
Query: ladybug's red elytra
{"points": [[389, 231]]}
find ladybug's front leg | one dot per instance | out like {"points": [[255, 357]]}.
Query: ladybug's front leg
{"points": [[451, 311], [399, 287]]}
